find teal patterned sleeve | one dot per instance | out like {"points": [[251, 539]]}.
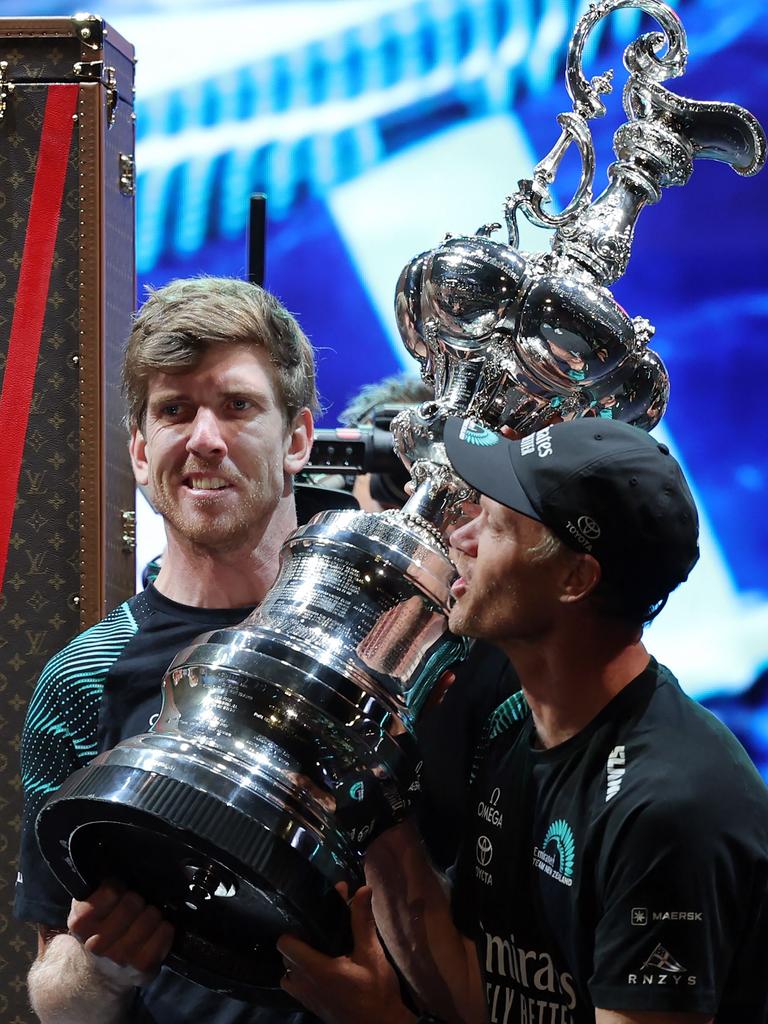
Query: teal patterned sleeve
{"points": [[60, 728], [513, 709], [60, 736]]}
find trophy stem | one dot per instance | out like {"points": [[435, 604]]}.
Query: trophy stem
{"points": [[601, 239], [435, 505], [460, 381]]}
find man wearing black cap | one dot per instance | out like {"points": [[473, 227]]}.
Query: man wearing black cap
{"points": [[615, 869]]}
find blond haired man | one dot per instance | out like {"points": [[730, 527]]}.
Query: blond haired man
{"points": [[219, 381]]}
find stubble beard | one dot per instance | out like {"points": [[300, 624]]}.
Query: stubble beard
{"points": [[228, 530], [461, 620], [480, 615]]}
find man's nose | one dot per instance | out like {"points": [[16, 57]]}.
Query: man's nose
{"points": [[464, 537], [206, 438]]}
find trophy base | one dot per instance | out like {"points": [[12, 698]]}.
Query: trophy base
{"points": [[229, 883]]}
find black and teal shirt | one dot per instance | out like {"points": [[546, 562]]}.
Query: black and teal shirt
{"points": [[101, 688], [449, 733], [625, 869]]}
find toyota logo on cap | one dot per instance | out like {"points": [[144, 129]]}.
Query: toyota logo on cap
{"points": [[589, 527]]}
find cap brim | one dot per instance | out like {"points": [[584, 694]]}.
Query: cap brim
{"points": [[486, 460]]}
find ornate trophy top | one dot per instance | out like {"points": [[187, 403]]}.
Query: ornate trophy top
{"points": [[523, 339]]}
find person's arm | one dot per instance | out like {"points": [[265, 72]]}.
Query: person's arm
{"points": [[66, 986], [346, 989], [412, 912], [641, 1017], [114, 942], [411, 904]]}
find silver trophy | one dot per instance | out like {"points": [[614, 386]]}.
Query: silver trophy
{"points": [[227, 814]]}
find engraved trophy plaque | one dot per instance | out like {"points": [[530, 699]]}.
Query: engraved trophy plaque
{"points": [[224, 814]]}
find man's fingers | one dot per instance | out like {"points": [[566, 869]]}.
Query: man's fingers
{"points": [[290, 983], [363, 924], [299, 956], [129, 944], [112, 928], [99, 904], [150, 956], [304, 990]]}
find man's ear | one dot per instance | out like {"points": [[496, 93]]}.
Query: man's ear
{"points": [[300, 437], [137, 447], [582, 574]]}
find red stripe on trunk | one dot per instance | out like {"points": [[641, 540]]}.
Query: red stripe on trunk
{"points": [[32, 295]]}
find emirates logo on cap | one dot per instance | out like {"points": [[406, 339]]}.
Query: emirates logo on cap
{"points": [[540, 443]]}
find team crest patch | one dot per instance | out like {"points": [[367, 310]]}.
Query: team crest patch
{"points": [[557, 853], [475, 433]]}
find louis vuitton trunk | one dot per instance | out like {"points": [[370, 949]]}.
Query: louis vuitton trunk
{"points": [[67, 292]]}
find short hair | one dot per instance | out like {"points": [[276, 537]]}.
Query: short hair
{"points": [[400, 389], [181, 321], [550, 546]]}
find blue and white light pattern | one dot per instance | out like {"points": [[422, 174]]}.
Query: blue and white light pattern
{"points": [[375, 127]]}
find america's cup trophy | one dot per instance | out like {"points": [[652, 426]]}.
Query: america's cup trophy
{"points": [[236, 813]]}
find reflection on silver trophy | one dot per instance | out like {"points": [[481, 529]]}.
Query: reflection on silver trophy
{"points": [[226, 814]]}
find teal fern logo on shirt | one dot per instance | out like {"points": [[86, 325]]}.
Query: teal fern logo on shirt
{"points": [[559, 833], [556, 855]]}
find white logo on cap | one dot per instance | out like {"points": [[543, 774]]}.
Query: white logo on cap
{"points": [[579, 535], [588, 527], [540, 442]]}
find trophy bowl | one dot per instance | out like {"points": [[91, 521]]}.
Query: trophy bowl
{"points": [[224, 815]]}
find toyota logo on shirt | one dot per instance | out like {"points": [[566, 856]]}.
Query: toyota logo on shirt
{"points": [[484, 851]]}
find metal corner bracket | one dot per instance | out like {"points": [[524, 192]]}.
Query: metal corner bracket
{"points": [[96, 71], [89, 29]]}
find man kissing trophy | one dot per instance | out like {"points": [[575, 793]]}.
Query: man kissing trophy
{"points": [[284, 743]]}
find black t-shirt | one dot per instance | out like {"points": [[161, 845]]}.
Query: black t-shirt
{"points": [[625, 869], [448, 735], [101, 688]]}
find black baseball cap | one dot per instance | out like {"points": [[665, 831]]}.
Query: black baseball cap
{"points": [[602, 486]]}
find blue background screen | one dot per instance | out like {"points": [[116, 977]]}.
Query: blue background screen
{"points": [[376, 126]]}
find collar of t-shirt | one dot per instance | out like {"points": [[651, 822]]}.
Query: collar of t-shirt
{"points": [[634, 693], [191, 613]]}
